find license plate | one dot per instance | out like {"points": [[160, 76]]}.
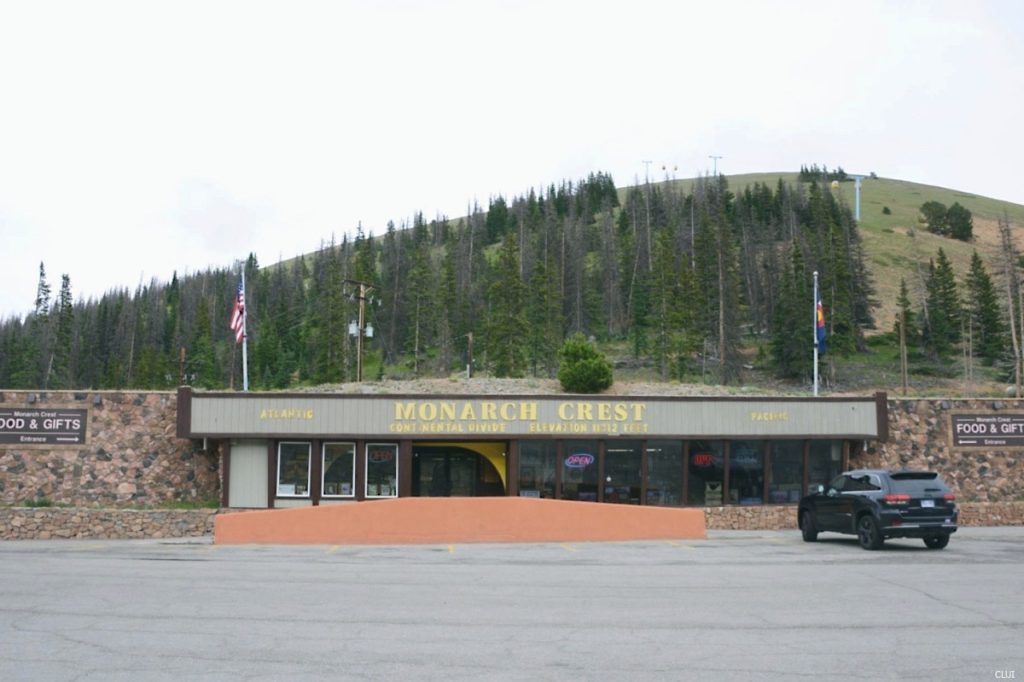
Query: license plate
{"points": [[927, 503]]}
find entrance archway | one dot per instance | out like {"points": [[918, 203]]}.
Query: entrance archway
{"points": [[458, 469]]}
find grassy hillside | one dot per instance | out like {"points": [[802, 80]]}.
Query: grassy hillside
{"points": [[898, 244]]}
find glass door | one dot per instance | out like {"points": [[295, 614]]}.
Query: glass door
{"points": [[622, 472], [579, 470]]}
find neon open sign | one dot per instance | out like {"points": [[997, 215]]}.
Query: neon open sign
{"points": [[703, 459], [380, 456], [580, 461]]}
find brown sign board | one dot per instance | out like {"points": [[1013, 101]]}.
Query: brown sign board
{"points": [[987, 430], [42, 426]]}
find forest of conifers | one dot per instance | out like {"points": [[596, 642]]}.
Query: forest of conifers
{"points": [[688, 282]]}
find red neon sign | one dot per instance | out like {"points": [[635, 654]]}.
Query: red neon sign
{"points": [[380, 456], [704, 459]]}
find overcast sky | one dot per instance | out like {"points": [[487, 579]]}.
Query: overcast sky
{"points": [[142, 138]]}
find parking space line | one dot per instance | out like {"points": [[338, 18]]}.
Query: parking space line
{"points": [[333, 548], [451, 549], [567, 548], [91, 547]]}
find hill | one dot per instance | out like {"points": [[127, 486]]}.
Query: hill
{"points": [[897, 243], [688, 282]]}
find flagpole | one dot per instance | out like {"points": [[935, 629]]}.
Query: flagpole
{"points": [[245, 339], [814, 330]]}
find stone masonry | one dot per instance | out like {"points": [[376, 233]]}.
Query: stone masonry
{"points": [[783, 516], [133, 461], [132, 457], [920, 437], [20, 523]]}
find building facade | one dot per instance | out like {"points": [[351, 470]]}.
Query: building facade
{"points": [[101, 462], [287, 450]]}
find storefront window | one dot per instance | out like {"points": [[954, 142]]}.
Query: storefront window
{"points": [[665, 473], [537, 462], [622, 472], [381, 470], [339, 467], [746, 472], [293, 469], [706, 464], [825, 462], [579, 470], [786, 477]]}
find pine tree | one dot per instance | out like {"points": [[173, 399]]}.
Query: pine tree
{"points": [[983, 312], [448, 336], [393, 269], [507, 321], [326, 317], [942, 328], [721, 316], [42, 304], [960, 223], [60, 368], [791, 340], [201, 359], [543, 333], [666, 304], [582, 368], [934, 213], [907, 313], [420, 301], [498, 220], [38, 341]]}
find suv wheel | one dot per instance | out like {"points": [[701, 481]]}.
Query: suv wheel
{"points": [[868, 533], [807, 528], [936, 541]]}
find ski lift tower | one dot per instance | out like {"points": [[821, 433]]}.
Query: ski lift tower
{"points": [[856, 188]]}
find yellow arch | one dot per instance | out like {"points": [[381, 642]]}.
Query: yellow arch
{"points": [[493, 452]]}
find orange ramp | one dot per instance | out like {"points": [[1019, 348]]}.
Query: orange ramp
{"points": [[436, 520]]}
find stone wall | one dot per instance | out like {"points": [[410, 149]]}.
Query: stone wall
{"points": [[133, 460], [920, 437], [783, 517], [767, 517], [132, 457], [21, 523]]}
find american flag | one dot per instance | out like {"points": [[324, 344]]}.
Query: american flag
{"points": [[238, 314]]}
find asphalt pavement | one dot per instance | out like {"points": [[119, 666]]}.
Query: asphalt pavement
{"points": [[741, 605]]}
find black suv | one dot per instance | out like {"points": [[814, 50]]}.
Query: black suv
{"points": [[874, 504]]}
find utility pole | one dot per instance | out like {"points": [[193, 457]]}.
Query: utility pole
{"points": [[903, 349], [364, 290], [715, 158], [647, 171]]}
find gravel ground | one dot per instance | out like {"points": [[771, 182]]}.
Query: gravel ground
{"points": [[495, 386]]}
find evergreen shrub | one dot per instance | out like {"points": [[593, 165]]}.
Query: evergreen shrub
{"points": [[583, 368]]}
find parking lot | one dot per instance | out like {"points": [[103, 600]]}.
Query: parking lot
{"points": [[740, 605]]}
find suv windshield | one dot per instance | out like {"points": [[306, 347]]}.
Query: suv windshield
{"points": [[918, 483]]}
